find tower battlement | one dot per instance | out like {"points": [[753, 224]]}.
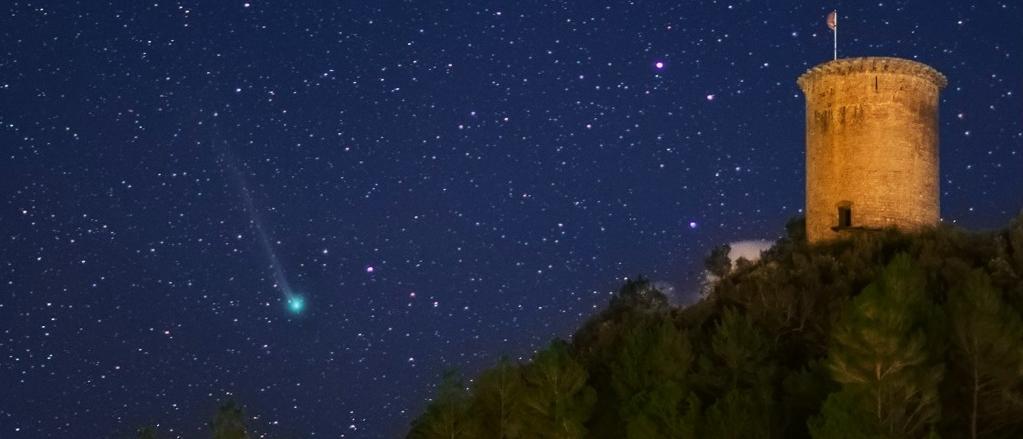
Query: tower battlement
{"points": [[871, 146], [872, 64]]}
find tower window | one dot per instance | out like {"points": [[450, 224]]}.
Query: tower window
{"points": [[844, 216]]}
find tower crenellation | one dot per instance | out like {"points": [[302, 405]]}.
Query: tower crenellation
{"points": [[871, 146], [874, 64]]}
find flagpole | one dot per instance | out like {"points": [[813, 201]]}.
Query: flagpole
{"points": [[835, 33]]}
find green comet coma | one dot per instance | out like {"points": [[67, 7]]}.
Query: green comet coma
{"points": [[296, 304]]}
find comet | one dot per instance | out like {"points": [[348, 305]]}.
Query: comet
{"points": [[294, 302]]}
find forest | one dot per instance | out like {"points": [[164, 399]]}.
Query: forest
{"points": [[881, 335]]}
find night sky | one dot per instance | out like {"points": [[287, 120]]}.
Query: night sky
{"points": [[316, 209]]}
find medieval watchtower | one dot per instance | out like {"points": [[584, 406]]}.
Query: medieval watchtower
{"points": [[871, 145]]}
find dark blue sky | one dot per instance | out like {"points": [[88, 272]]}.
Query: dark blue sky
{"points": [[442, 184]]}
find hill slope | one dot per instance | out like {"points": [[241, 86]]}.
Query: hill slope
{"points": [[884, 335]]}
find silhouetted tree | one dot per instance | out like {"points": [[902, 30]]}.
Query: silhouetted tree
{"points": [[986, 338], [739, 370], [718, 263], [639, 295], [881, 335], [146, 433], [448, 416], [556, 397], [880, 356], [740, 413], [229, 422], [497, 401], [741, 353], [649, 378]]}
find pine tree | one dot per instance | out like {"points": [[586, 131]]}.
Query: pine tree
{"points": [[146, 433], [987, 335], [497, 401], [742, 351], [649, 379], [880, 356], [447, 417], [638, 296], [826, 340], [667, 413], [229, 422], [1015, 240], [557, 399], [740, 370], [739, 414], [803, 392], [842, 417], [718, 262]]}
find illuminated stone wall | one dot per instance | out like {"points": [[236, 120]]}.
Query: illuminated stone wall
{"points": [[871, 145]]}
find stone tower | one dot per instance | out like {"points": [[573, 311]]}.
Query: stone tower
{"points": [[871, 146]]}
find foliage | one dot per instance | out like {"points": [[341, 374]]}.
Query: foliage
{"points": [[881, 335], [447, 417], [718, 263], [556, 397], [885, 360], [986, 335], [649, 379], [146, 433], [229, 422], [497, 401]]}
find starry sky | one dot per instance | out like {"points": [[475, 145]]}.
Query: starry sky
{"points": [[316, 207]]}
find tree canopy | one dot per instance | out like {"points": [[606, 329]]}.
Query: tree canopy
{"points": [[881, 335]]}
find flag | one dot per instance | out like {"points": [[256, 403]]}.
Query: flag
{"points": [[833, 20]]}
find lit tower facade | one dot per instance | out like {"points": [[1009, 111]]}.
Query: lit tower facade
{"points": [[871, 146]]}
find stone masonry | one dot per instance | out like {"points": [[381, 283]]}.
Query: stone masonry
{"points": [[871, 146]]}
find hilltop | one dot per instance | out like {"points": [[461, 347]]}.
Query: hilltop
{"points": [[886, 334]]}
